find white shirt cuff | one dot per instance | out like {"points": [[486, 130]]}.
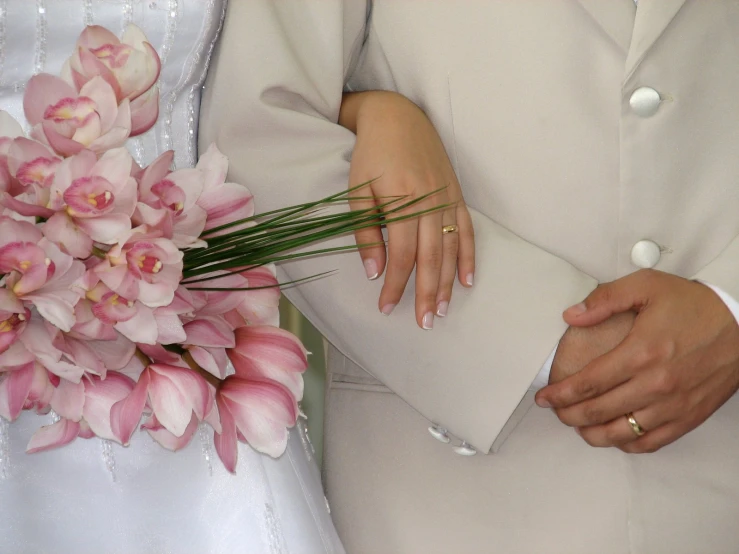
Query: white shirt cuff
{"points": [[727, 299], [542, 380]]}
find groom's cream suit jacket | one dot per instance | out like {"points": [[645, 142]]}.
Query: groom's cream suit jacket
{"points": [[589, 138]]}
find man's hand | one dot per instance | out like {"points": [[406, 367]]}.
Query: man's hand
{"points": [[677, 366], [581, 345]]}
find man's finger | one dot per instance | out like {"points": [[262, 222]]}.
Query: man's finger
{"points": [[608, 299], [599, 376]]}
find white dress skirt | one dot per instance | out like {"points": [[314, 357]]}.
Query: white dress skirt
{"points": [[97, 497]]}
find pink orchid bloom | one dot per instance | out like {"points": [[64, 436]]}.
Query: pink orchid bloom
{"points": [[26, 388], [93, 199], [167, 202], [223, 202], [31, 167], [260, 412], [91, 401], [10, 129], [95, 357], [14, 317], [136, 321], [174, 394], [270, 353], [261, 305], [143, 269], [35, 345], [44, 276], [70, 122], [207, 339], [130, 65]]}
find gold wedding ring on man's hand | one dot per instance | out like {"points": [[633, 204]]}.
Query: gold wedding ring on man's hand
{"points": [[446, 229], [638, 429]]}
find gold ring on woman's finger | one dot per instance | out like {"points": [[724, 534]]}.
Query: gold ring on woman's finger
{"points": [[446, 229]]}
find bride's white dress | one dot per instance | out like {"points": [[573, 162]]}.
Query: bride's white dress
{"points": [[93, 496]]}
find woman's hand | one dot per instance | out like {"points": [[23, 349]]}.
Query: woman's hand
{"points": [[399, 148]]}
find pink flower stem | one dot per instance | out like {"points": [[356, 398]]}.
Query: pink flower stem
{"points": [[143, 358], [212, 379], [208, 376]]}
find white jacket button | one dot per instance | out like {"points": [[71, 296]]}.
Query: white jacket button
{"points": [[645, 254], [645, 101], [439, 433], [465, 449]]}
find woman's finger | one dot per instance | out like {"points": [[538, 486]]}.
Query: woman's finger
{"points": [[428, 268], [373, 257], [401, 257], [466, 256], [450, 249]]}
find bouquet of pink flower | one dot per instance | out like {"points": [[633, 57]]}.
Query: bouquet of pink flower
{"points": [[130, 293]]}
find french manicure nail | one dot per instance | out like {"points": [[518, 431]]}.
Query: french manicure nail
{"points": [[442, 308], [470, 279], [428, 321], [370, 267], [387, 309]]}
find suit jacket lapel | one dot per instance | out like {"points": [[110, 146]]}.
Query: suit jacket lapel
{"points": [[616, 17], [652, 18]]}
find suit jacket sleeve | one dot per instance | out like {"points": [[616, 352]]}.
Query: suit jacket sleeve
{"points": [[271, 104]]}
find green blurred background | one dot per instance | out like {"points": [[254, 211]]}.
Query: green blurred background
{"points": [[315, 377]]}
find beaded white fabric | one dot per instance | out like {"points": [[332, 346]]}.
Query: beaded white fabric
{"points": [[95, 496]]}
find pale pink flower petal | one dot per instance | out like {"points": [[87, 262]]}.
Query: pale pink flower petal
{"points": [[228, 203], [212, 360], [62, 145], [106, 229], [126, 413], [169, 325], [144, 112], [262, 412], [95, 36], [210, 331], [68, 399], [53, 436], [175, 393], [270, 353], [225, 442], [14, 389], [42, 91], [100, 396], [141, 328], [115, 354], [61, 230], [169, 441], [103, 97], [9, 127]]}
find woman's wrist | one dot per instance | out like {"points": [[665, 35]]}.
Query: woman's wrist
{"points": [[359, 107]]}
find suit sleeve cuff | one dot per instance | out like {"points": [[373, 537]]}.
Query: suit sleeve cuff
{"points": [[542, 379]]}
